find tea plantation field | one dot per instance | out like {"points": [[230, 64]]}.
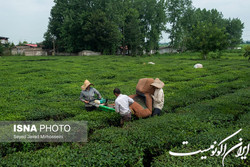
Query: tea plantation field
{"points": [[201, 106]]}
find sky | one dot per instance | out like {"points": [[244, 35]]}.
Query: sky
{"points": [[27, 20], [24, 20], [230, 9]]}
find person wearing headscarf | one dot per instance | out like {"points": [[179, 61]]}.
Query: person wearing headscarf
{"points": [[88, 94], [158, 97]]}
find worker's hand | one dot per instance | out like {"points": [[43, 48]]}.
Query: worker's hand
{"points": [[85, 101]]}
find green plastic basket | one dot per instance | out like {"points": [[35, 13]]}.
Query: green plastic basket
{"points": [[105, 108]]}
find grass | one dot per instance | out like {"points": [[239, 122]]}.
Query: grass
{"points": [[201, 105]]}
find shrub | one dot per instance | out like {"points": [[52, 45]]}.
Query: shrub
{"points": [[201, 105], [247, 51]]}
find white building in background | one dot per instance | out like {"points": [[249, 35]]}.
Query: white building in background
{"points": [[4, 40], [167, 49], [29, 50]]}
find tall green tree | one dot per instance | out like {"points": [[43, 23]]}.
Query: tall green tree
{"points": [[101, 33], [194, 16], [234, 28], [196, 23], [176, 10], [153, 19], [207, 37], [105, 25], [133, 37], [65, 24]]}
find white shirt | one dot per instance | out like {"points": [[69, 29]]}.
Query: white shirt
{"points": [[122, 104], [158, 98]]}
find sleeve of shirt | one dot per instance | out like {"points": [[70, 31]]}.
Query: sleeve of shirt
{"points": [[82, 98], [130, 100], [153, 97], [98, 93], [159, 97], [117, 106], [162, 96]]}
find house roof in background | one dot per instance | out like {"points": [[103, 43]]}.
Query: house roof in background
{"points": [[5, 38], [31, 45]]}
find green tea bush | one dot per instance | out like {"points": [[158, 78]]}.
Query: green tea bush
{"points": [[247, 51], [124, 147], [202, 142], [201, 105]]}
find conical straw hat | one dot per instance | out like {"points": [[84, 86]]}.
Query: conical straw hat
{"points": [[86, 84], [158, 83]]}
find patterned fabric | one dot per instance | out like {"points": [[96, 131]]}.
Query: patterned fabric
{"points": [[89, 95], [158, 98]]}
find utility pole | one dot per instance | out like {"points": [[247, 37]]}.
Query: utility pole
{"points": [[54, 47]]}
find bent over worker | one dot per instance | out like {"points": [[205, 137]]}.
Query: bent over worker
{"points": [[122, 104], [88, 95], [158, 96]]}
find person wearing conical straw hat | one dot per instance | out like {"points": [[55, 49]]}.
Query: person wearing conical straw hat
{"points": [[158, 97], [88, 95]]}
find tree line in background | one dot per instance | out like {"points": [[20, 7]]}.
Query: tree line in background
{"points": [[104, 26], [5, 48], [136, 25]]}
